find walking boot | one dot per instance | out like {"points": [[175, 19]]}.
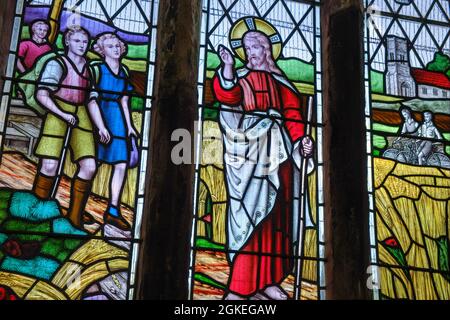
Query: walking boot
{"points": [[81, 189], [113, 217], [43, 186]]}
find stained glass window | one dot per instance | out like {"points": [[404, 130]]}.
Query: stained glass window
{"points": [[74, 124], [407, 79], [259, 161]]}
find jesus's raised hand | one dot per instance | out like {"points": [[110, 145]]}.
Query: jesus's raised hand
{"points": [[227, 59]]}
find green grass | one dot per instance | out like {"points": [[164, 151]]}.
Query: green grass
{"points": [[137, 104], [24, 226], [5, 194], [443, 256], [377, 82], [203, 243], [379, 142], [52, 247], [208, 280], [385, 128], [210, 114], [3, 215], [297, 70], [447, 137]]}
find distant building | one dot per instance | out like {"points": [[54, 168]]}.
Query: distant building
{"points": [[434, 85], [404, 81], [399, 81]]}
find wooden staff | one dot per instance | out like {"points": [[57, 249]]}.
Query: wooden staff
{"points": [[54, 18], [301, 220]]}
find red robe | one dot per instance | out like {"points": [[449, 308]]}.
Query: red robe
{"points": [[268, 257]]}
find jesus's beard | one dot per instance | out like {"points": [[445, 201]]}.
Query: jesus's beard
{"points": [[258, 64]]}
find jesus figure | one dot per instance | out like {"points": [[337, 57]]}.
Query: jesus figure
{"points": [[261, 215]]}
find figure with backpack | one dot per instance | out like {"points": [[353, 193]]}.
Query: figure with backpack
{"points": [[62, 92], [111, 95]]}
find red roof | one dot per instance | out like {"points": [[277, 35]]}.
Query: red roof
{"points": [[431, 78]]}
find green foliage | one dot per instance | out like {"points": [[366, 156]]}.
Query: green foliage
{"points": [[440, 63], [137, 51], [211, 114], [5, 196], [398, 254], [25, 34], [385, 128], [379, 142], [208, 280], [71, 244], [60, 249], [377, 82], [19, 225], [52, 247], [3, 215], [137, 104], [59, 42], [443, 256], [29, 237], [297, 70], [4, 204], [203, 243]]}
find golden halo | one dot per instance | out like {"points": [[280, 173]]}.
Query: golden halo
{"points": [[246, 24]]}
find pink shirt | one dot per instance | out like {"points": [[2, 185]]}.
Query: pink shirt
{"points": [[30, 51], [73, 79]]}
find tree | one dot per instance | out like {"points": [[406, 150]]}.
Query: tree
{"points": [[440, 63]]}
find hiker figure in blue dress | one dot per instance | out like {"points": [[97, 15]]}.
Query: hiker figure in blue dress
{"points": [[111, 92]]}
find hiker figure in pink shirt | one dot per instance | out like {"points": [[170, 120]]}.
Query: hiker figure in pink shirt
{"points": [[30, 50]]}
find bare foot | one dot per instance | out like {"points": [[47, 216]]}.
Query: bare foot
{"points": [[259, 296], [275, 293], [232, 296]]}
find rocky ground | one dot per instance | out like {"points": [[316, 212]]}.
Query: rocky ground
{"points": [[16, 172]]}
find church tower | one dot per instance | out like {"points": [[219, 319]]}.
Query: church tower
{"points": [[399, 81]]}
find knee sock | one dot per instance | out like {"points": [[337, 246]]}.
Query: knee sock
{"points": [[43, 186]]}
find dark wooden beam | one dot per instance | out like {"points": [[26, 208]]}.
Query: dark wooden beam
{"points": [[166, 230], [345, 155], [7, 11]]}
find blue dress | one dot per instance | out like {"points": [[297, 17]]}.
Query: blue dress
{"points": [[111, 109]]}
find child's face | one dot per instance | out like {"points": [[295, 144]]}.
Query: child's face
{"points": [[41, 31], [78, 43], [112, 48]]}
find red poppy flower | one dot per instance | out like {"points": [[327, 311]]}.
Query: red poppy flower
{"points": [[391, 242], [207, 218]]}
